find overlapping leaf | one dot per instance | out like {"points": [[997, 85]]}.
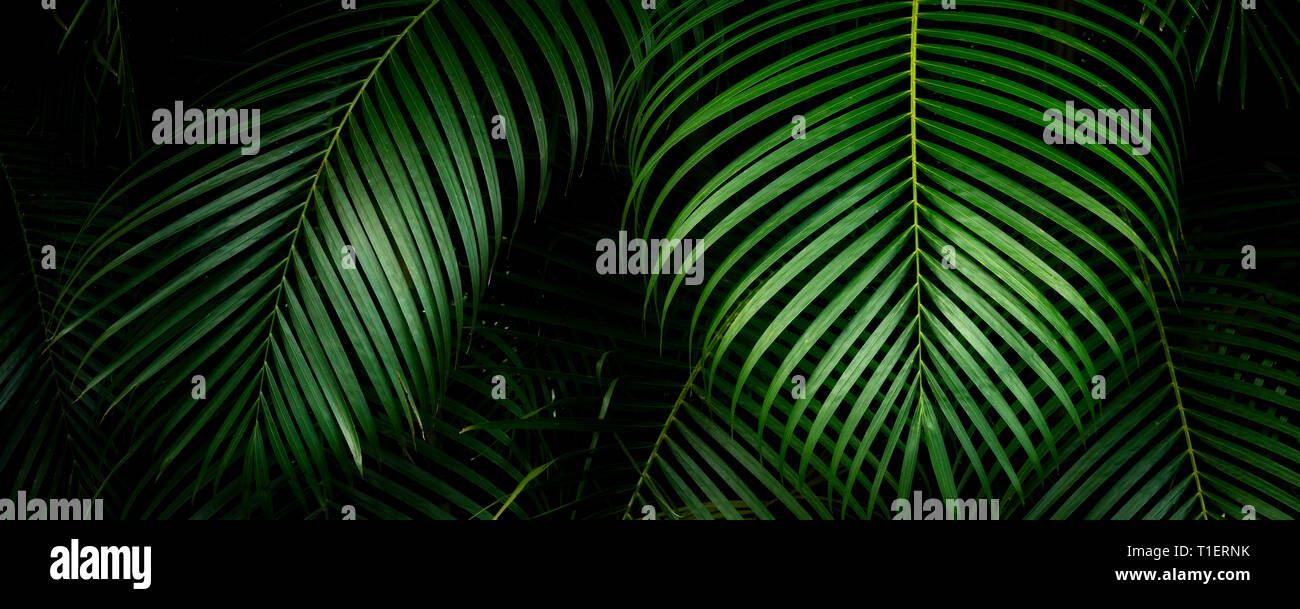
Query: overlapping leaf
{"points": [[1207, 430], [826, 253], [55, 446], [375, 136]]}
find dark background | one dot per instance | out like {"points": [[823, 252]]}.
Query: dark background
{"points": [[182, 50]]}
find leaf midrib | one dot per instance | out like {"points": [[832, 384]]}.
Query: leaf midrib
{"points": [[1178, 396], [916, 213], [46, 316], [311, 190], [912, 51]]}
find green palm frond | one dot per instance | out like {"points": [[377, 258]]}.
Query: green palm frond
{"points": [[379, 140], [1207, 431], [826, 251], [56, 446]]}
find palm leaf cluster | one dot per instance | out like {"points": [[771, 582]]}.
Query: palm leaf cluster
{"points": [[393, 308]]}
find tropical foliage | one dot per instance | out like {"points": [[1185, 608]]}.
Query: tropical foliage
{"points": [[906, 288]]}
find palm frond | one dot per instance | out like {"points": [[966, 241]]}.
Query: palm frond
{"points": [[827, 251], [54, 445], [1207, 432], [375, 146]]}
